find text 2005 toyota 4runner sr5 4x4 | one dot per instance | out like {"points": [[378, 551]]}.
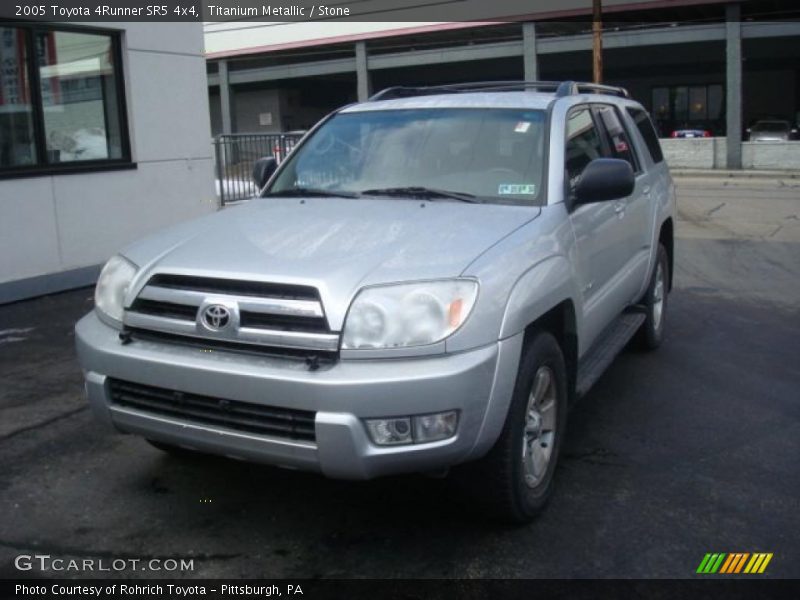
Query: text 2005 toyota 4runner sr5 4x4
{"points": [[427, 281]]}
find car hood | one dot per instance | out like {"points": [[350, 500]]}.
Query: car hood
{"points": [[335, 244], [768, 136]]}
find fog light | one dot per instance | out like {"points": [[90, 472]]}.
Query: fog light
{"points": [[440, 426], [389, 432], [413, 430]]}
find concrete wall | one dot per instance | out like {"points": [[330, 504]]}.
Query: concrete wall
{"points": [[699, 153], [56, 230], [710, 153], [257, 111], [771, 155]]}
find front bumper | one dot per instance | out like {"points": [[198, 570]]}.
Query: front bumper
{"points": [[477, 383]]}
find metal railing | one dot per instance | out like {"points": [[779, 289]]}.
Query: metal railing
{"points": [[235, 155]]}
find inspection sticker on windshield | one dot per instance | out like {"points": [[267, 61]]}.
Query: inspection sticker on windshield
{"points": [[522, 126], [517, 189]]}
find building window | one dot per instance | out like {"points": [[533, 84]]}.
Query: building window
{"points": [[698, 104], [661, 103], [689, 106], [680, 103], [17, 146], [61, 100]]}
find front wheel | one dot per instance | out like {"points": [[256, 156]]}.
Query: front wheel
{"points": [[655, 303], [515, 479]]}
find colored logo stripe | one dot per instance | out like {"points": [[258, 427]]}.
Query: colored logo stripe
{"points": [[758, 563], [734, 562], [728, 562], [710, 563]]}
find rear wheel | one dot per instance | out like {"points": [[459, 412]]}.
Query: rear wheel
{"points": [[655, 303], [515, 479]]}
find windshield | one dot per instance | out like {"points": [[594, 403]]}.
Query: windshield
{"points": [[774, 126], [495, 155]]}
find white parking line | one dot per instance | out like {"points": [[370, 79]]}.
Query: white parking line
{"points": [[9, 336]]}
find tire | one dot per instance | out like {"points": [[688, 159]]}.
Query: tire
{"points": [[506, 483], [654, 301], [172, 450]]}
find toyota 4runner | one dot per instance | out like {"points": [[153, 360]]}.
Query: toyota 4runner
{"points": [[427, 281]]}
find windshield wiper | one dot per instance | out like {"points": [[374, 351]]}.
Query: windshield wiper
{"points": [[304, 191], [422, 192]]}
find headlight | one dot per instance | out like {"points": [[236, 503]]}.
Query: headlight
{"points": [[408, 314], [112, 285]]}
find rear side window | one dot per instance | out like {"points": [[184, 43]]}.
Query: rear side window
{"points": [[619, 146], [583, 144], [645, 126]]}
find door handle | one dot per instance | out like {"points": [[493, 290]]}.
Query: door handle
{"points": [[646, 190], [619, 208]]}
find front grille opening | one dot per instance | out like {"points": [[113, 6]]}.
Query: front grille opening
{"points": [[283, 322], [170, 310], [232, 414], [235, 286]]}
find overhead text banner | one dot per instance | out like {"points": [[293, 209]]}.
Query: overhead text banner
{"points": [[312, 10]]}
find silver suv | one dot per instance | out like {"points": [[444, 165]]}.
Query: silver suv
{"points": [[427, 281]]}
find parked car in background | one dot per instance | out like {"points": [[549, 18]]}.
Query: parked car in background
{"points": [[691, 133], [771, 131], [286, 142], [427, 281]]}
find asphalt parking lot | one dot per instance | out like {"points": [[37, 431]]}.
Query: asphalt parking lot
{"points": [[688, 450]]}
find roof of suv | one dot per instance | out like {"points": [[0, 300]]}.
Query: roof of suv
{"points": [[492, 94], [534, 100]]}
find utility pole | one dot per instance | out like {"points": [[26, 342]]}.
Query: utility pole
{"points": [[597, 41]]}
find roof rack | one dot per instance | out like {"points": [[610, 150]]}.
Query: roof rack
{"points": [[560, 88], [571, 88]]}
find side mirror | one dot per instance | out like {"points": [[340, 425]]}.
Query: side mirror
{"points": [[605, 179], [263, 169]]}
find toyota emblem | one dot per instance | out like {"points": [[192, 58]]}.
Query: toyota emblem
{"points": [[216, 316]]}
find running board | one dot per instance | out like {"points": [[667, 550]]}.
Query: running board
{"points": [[605, 350]]}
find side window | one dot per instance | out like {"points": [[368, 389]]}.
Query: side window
{"points": [[619, 145], [645, 127], [583, 144]]}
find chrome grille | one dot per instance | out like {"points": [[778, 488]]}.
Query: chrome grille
{"points": [[262, 313], [232, 414], [210, 285]]}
